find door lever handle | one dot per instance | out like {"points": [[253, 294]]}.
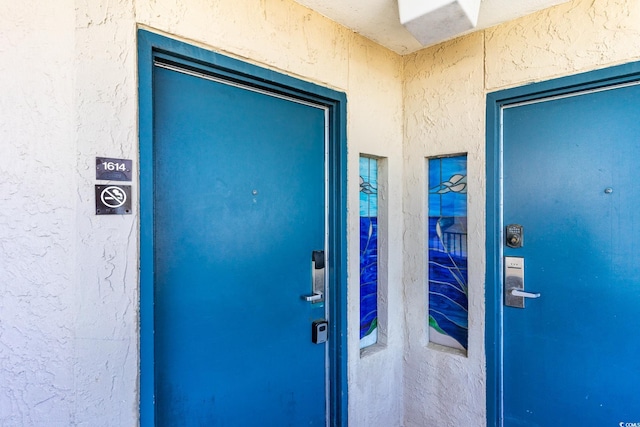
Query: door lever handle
{"points": [[514, 293], [523, 294], [312, 298], [317, 278]]}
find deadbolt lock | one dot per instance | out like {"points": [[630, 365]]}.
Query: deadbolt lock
{"points": [[515, 236]]}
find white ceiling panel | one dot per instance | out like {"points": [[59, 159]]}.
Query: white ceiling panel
{"points": [[379, 20]]}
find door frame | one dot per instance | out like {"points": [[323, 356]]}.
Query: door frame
{"points": [[564, 86], [152, 46]]}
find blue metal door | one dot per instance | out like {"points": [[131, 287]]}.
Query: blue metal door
{"points": [[570, 168], [239, 205]]}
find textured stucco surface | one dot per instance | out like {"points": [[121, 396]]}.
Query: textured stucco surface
{"points": [[444, 115], [375, 379], [445, 89], [105, 119], [69, 279], [37, 218], [573, 37]]}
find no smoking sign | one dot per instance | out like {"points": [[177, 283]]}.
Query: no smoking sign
{"points": [[113, 199]]}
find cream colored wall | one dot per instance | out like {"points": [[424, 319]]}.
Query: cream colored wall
{"points": [[375, 129], [444, 101], [37, 213], [69, 285], [445, 90], [574, 37], [69, 279]]}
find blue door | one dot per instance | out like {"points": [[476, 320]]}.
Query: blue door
{"points": [[239, 208], [570, 180]]}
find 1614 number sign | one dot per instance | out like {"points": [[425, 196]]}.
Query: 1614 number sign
{"points": [[109, 169]]}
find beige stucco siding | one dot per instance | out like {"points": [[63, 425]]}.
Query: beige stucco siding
{"points": [[445, 91], [69, 292], [570, 38], [69, 311], [444, 114], [37, 213]]}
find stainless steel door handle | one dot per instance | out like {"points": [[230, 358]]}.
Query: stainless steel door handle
{"points": [[312, 297], [514, 293], [317, 278], [523, 294]]}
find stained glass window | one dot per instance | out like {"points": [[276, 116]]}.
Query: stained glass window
{"points": [[448, 292], [368, 251]]}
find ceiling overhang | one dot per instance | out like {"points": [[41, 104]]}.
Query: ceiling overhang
{"points": [[414, 24]]}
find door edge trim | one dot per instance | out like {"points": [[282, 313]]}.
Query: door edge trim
{"points": [[152, 45], [618, 75]]}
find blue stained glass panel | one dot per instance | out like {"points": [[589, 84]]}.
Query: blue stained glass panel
{"points": [[368, 251], [448, 275]]}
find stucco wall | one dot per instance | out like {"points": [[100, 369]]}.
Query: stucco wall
{"points": [[444, 115], [38, 194], [69, 278], [445, 88]]}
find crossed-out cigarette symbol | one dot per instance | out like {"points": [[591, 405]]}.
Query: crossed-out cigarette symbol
{"points": [[113, 197]]}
